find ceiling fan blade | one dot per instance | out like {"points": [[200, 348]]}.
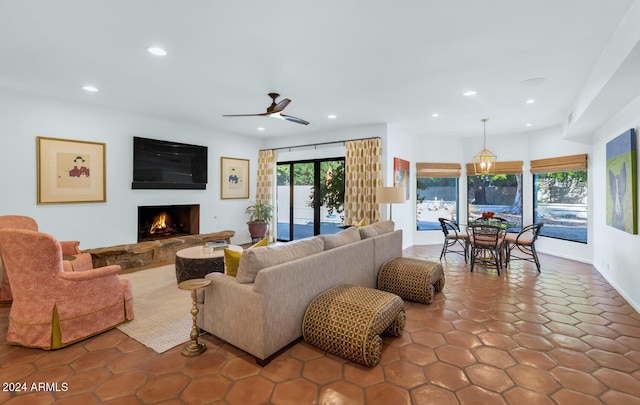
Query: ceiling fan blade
{"points": [[279, 107], [294, 119], [244, 115]]}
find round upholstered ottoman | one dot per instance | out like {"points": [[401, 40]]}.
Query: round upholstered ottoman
{"points": [[412, 279], [347, 321]]}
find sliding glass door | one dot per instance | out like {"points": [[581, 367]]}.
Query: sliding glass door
{"points": [[310, 198]]}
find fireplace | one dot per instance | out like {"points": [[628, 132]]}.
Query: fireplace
{"points": [[167, 221]]}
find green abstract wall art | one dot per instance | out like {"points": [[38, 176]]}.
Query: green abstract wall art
{"points": [[622, 202]]}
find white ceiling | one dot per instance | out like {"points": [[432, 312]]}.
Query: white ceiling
{"points": [[365, 61]]}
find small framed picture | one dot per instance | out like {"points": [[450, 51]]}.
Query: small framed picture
{"points": [[70, 172], [234, 178]]}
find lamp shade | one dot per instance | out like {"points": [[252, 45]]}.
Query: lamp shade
{"points": [[390, 195]]}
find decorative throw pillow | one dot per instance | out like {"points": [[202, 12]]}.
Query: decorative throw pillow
{"points": [[231, 262], [357, 224], [261, 243]]}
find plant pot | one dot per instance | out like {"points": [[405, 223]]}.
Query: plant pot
{"points": [[258, 229]]}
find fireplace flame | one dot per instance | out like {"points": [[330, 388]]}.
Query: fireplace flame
{"points": [[159, 223]]}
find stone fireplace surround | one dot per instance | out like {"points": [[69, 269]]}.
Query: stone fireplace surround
{"points": [[151, 253], [160, 249]]}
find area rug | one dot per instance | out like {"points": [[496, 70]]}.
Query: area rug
{"points": [[162, 318]]}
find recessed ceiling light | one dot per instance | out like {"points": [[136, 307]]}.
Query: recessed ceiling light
{"points": [[154, 50], [531, 101], [332, 116], [90, 89], [528, 124], [435, 115], [470, 93], [260, 129]]}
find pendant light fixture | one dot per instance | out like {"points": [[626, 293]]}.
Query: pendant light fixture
{"points": [[485, 161]]}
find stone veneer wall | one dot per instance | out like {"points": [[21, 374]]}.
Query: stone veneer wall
{"points": [[151, 253]]}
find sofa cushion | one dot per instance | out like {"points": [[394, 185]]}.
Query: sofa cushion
{"points": [[254, 260], [232, 257], [341, 238], [379, 228]]}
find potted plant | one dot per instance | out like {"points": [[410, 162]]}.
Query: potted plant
{"points": [[260, 215]]}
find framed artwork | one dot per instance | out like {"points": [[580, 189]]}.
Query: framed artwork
{"points": [[70, 172], [234, 178], [401, 175], [622, 211]]}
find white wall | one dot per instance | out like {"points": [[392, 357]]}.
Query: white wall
{"points": [[114, 222], [615, 252], [401, 145]]}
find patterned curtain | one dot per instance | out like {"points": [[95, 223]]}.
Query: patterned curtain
{"points": [[363, 173], [265, 186]]}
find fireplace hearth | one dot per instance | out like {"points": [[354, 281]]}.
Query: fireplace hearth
{"points": [[167, 221]]}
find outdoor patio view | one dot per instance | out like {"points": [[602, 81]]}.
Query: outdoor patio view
{"points": [[301, 212], [436, 198], [560, 201]]}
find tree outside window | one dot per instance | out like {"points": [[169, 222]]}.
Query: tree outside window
{"points": [[500, 194]]}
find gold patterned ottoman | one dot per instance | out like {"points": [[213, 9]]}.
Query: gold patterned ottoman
{"points": [[347, 321], [412, 279]]}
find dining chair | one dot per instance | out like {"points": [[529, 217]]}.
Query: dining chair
{"points": [[453, 237], [486, 243], [525, 242]]}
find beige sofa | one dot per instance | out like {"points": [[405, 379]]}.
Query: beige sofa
{"points": [[264, 315]]}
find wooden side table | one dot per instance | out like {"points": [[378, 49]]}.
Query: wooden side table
{"points": [[194, 347]]}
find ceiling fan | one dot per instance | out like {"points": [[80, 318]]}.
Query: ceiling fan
{"points": [[274, 111]]}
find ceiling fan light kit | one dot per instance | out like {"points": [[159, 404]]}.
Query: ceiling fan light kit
{"points": [[485, 161], [274, 111]]}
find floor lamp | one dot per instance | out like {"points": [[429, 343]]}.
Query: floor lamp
{"points": [[390, 195]]}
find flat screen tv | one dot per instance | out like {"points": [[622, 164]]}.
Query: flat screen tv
{"points": [[168, 165]]}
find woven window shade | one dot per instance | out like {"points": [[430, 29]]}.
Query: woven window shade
{"points": [[438, 169], [512, 167], [559, 164]]}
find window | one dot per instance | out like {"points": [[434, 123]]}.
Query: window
{"points": [[560, 197], [436, 198], [500, 193], [437, 194], [310, 198]]}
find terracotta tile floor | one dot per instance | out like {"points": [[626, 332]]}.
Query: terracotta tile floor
{"points": [[563, 336]]}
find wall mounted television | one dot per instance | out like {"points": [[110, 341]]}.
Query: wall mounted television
{"points": [[168, 165]]}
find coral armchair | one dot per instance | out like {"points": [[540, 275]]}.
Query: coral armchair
{"points": [[53, 308], [75, 260]]}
